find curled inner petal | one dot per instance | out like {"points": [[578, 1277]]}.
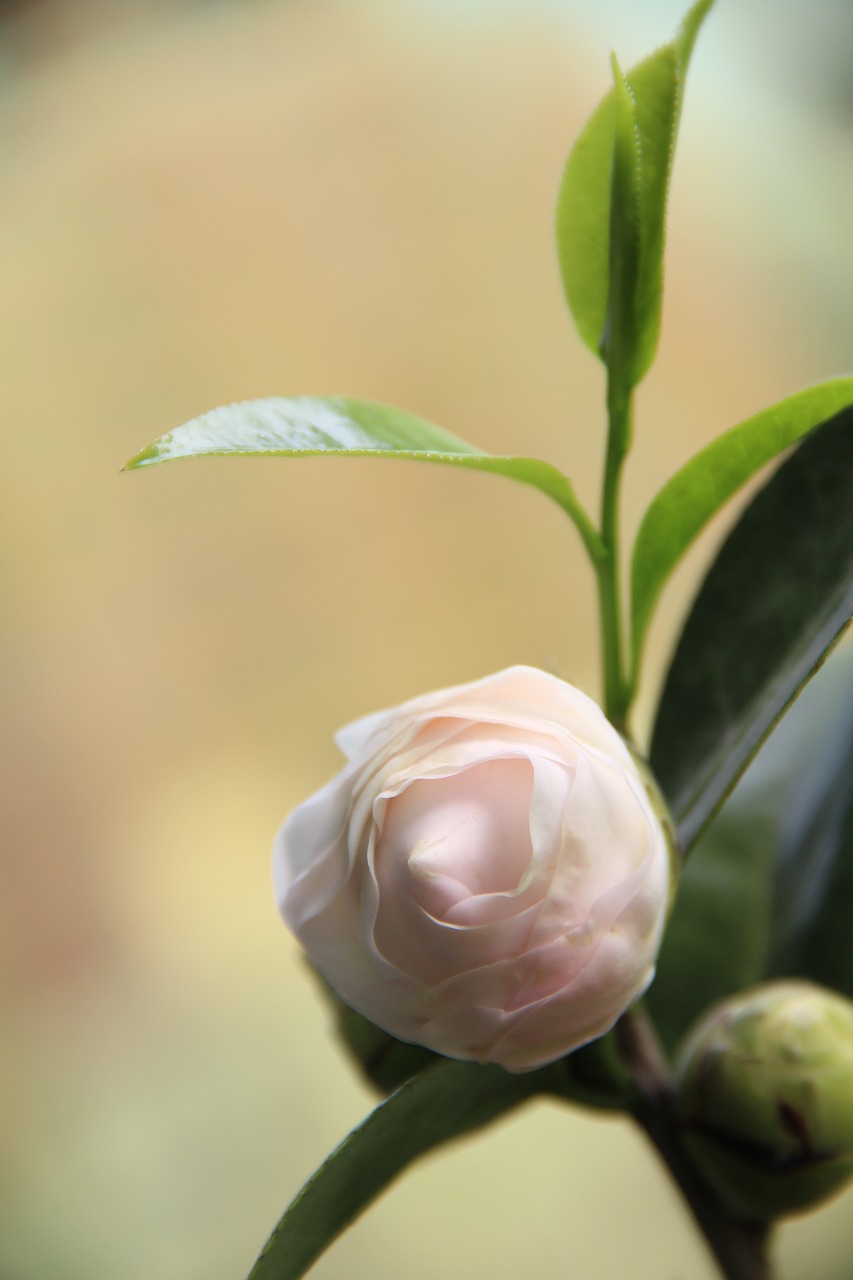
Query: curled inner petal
{"points": [[448, 840]]}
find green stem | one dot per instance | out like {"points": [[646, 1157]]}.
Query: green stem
{"points": [[741, 1250], [616, 690]]}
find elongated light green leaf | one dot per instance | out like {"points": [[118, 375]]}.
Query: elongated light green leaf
{"points": [[443, 1102], [583, 207], [773, 604], [697, 492], [620, 338], [340, 427]]}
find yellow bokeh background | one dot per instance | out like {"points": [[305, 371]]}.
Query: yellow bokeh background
{"points": [[214, 202]]}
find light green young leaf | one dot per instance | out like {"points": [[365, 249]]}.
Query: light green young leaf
{"points": [[619, 340], [697, 492], [773, 604], [442, 1102], [583, 220], [341, 427]]}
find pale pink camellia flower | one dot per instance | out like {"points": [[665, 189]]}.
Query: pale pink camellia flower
{"points": [[487, 876]]}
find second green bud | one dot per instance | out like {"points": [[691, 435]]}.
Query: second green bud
{"points": [[765, 1098]]}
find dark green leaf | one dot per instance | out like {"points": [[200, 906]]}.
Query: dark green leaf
{"points": [[695, 493], [594, 1076], [768, 866], [584, 202], [813, 904], [717, 940], [772, 605], [442, 1102], [339, 427]]}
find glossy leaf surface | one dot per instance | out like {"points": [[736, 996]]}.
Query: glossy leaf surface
{"points": [[717, 940], [772, 605], [813, 904], [443, 1102], [341, 427], [769, 866], [583, 221], [698, 491]]}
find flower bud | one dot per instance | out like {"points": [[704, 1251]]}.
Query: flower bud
{"points": [[487, 877], [385, 1062], [765, 1097]]}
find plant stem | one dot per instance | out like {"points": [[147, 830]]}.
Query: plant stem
{"points": [[616, 693], [740, 1249]]}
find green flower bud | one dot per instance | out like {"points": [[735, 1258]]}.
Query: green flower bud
{"points": [[385, 1061], [765, 1098]]}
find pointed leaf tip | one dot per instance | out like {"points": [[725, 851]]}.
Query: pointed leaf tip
{"points": [[583, 219], [690, 28], [336, 426]]}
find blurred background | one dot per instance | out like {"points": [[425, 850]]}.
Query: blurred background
{"points": [[213, 201]]}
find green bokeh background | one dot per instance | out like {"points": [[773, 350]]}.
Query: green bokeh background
{"points": [[210, 202]]}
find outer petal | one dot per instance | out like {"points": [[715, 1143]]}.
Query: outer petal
{"points": [[310, 861]]}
